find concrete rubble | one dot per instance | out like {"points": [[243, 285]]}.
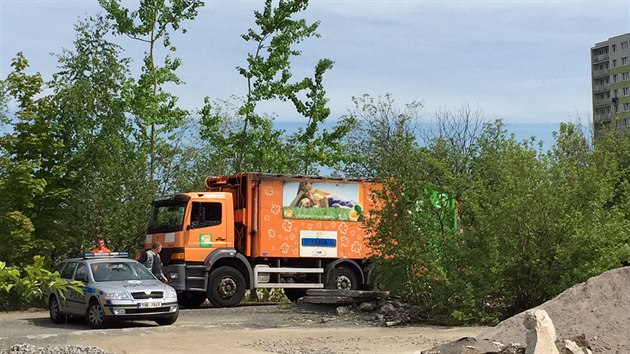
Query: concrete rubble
{"points": [[540, 339]]}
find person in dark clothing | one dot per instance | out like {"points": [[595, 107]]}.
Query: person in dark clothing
{"points": [[151, 259]]}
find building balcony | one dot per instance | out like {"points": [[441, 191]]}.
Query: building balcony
{"points": [[600, 88], [601, 103], [601, 73], [602, 117], [600, 58]]}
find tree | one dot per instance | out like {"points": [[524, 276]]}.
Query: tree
{"points": [[92, 97], [253, 140], [154, 109], [32, 189], [383, 135]]}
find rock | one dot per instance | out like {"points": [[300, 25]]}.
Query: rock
{"points": [[334, 300], [466, 345], [388, 310], [357, 294], [570, 347], [367, 306], [512, 348], [343, 310], [541, 335], [581, 341]]}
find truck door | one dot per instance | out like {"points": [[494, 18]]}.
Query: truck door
{"points": [[207, 227]]}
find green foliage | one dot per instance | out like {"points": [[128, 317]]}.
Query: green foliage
{"points": [[27, 284], [154, 109], [111, 194], [246, 138], [32, 170], [531, 223]]}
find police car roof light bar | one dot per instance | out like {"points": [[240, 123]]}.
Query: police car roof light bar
{"points": [[105, 255]]}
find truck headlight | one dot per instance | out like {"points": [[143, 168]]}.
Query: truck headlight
{"points": [[117, 296]]}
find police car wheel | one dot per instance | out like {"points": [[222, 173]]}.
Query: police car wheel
{"points": [[95, 317], [55, 313]]}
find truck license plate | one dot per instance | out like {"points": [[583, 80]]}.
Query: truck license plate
{"points": [[150, 304]]}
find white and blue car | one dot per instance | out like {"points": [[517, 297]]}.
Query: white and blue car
{"points": [[114, 288]]}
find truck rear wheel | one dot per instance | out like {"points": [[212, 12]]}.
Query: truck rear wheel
{"points": [[343, 278], [191, 299], [226, 287]]}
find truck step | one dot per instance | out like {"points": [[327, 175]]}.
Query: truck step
{"points": [[195, 267], [196, 289]]}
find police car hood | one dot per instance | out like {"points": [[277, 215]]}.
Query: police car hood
{"points": [[133, 286]]}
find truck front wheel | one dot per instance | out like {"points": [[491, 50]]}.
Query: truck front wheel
{"points": [[226, 287], [343, 278]]}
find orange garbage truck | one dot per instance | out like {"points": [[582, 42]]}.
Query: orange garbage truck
{"points": [[253, 230]]}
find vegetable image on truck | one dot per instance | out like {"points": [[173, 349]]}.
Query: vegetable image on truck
{"points": [[254, 230]]}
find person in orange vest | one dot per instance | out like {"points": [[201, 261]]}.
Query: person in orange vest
{"points": [[100, 246]]}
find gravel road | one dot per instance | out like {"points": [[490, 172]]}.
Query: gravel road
{"points": [[286, 329]]}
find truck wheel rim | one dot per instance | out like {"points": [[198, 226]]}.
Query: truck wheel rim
{"points": [[344, 283], [227, 287]]}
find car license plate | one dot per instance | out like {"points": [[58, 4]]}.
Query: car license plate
{"points": [[150, 304]]}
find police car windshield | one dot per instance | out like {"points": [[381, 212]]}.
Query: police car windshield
{"points": [[120, 271]]}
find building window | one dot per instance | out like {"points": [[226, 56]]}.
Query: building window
{"points": [[626, 106], [614, 63], [614, 46], [624, 60], [614, 78], [625, 91], [624, 76]]}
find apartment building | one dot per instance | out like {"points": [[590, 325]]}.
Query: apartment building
{"points": [[610, 73]]}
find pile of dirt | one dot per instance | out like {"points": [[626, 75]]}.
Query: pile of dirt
{"points": [[598, 308]]}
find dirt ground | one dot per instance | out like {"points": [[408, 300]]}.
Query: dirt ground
{"points": [[285, 329]]}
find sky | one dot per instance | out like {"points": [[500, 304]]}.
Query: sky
{"points": [[526, 62]]}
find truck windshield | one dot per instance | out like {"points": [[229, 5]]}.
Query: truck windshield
{"points": [[167, 217]]}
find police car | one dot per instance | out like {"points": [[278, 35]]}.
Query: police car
{"points": [[114, 288]]}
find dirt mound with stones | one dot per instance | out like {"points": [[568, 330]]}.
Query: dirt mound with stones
{"points": [[598, 308]]}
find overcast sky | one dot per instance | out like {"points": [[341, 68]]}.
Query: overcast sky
{"points": [[522, 61]]}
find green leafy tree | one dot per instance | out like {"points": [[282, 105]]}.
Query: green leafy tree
{"points": [[33, 173], [383, 135], [249, 135], [538, 223], [155, 110], [92, 94]]}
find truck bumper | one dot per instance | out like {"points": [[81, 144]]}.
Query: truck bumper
{"points": [[176, 274]]}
